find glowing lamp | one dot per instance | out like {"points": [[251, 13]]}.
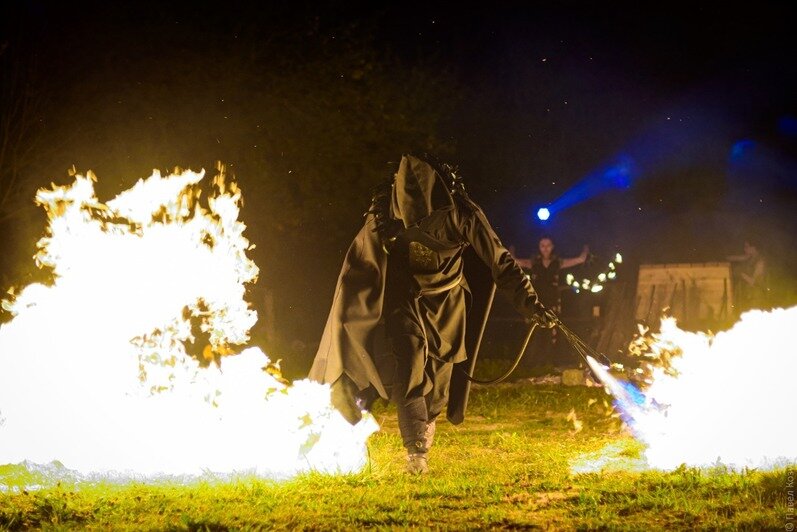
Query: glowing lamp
{"points": [[543, 213]]}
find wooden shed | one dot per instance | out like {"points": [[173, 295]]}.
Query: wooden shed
{"points": [[698, 295]]}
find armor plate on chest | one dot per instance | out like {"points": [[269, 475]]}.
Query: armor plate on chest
{"points": [[422, 259]]}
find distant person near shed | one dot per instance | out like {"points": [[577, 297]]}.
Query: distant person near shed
{"points": [[751, 277]]}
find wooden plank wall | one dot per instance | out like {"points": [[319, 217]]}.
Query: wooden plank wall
{"points": [[696, 294]]}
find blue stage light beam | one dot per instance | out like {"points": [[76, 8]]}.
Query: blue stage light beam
{"points": [[741, 150], [676, 140], [618, 174], [788, 125], [752, 165]]}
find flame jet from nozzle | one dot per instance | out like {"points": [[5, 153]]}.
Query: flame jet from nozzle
{"points": [[627, 398], [724, 399]]}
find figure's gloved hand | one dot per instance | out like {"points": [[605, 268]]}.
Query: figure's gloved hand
{"points": [[544, 317]]}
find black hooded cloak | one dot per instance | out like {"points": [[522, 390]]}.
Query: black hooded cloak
{"points": [[408, 259]]}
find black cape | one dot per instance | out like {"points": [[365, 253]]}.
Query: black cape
{"points": [[419, 268]]}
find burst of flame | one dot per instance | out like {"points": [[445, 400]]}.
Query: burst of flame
{"points": [[726, 399], [95, 369]]}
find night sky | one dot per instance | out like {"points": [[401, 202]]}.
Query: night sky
{"points": [[693, 103]]}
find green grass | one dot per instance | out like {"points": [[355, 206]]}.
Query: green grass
{"points": [[508, 466]]}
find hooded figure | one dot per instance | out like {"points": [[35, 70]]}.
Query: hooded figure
{"points": [[398, 318]]}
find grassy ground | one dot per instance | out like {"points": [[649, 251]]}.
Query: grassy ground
{"points": [[508, 466]]}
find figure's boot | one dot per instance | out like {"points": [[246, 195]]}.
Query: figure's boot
{"points": [[417, 464], [429, 434], [418, 460]]}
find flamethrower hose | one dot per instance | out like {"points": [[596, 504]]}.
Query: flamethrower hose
{"points": [[514, 366], [578, 344], [469, 374], [581, 346]]}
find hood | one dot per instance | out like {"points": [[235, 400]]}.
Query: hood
{"points": [[418, 190]]}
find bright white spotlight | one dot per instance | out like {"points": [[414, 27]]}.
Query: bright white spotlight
{"points": [[543, 213]]}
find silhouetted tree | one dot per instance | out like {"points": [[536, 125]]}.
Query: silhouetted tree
{"points": [[20, 127]]}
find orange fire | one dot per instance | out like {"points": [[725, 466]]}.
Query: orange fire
{"points": [[724, 399], [94, 368]]}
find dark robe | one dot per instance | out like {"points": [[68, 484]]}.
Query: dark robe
{"points": [[416, 277]]}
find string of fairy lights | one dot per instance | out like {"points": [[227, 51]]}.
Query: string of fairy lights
{"points": [[597, 283]]}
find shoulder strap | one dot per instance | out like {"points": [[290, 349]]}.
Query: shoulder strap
{"points": [[384, 225]]}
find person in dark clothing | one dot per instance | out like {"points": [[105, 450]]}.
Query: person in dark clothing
{"points": [[544, 270], [751, 278], [405, 269]]}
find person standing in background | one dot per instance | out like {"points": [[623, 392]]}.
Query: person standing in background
{"points": [[544, 271], [751, 284], [545, 268]]}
